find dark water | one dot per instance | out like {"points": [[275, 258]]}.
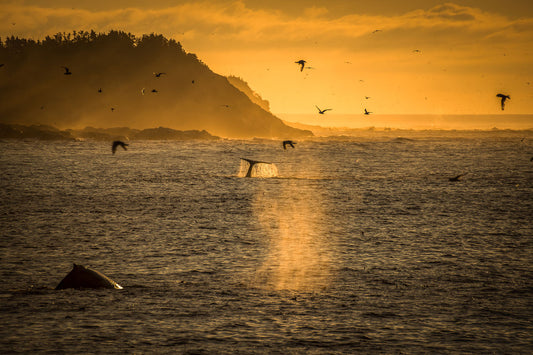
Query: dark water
{"points": [[358, 246]]}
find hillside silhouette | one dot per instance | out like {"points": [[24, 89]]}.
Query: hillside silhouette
{"points": [[114, 83]]}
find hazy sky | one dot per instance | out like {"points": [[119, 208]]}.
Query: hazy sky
{"points": [[468, 50]]}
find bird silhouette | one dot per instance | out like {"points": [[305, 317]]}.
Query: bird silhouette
{"points": [[285, 143], [321, 112], [503, 97], [67, 71], [154, 91], [457, 178], [301, 62], [158, 75], [367, 97], [416, 51], [100, 90], [116, 144], [367, 112], [376, 31]]}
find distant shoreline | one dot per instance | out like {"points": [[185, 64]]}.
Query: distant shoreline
{"points": [[484, 122], [50, 133]]}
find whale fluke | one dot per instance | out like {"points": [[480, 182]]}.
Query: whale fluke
{"points": [[83, 277], [252, 163]]}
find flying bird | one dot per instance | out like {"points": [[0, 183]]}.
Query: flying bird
{"points": [[416, 51], [367, 112], [376, 31], [301, 62], [367, 97], [285, 143], [154, 91], [321, 112], [118, 143], [67, 71], [503, 97], [158, 75], [457, 178]]}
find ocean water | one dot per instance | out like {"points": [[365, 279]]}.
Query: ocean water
{"points": [[356, 245]]}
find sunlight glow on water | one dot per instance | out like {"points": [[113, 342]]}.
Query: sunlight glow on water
{"points": [[359, 245], [299, 254]]}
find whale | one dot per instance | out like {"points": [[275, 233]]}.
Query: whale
{"points": [[83, 277], [252, 163]]}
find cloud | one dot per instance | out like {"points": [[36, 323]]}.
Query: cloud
{"points": [[211, 21]]}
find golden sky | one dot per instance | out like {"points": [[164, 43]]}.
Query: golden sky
{"points": [[467, 51]]}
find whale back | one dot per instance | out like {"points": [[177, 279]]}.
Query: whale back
{"points": [[84, 277]]}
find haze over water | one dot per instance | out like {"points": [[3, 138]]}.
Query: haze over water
{"points": [[359, 245]]}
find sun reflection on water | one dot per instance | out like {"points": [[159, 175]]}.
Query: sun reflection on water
{"points": [[299, 255]]}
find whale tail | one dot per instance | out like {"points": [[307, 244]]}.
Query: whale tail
{"points": [[258, 168]]}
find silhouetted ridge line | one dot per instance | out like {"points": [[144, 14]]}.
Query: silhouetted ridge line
{"points": [[145, 79]]}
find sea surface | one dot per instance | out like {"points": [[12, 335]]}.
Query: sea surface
{"points": [[355, 245]]}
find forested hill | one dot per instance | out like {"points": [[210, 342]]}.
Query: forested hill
{"points": [[115, 81]]}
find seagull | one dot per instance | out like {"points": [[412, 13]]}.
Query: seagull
{"points": [[285, 143], [67, 71], [457, 178], [376, 31], [116, 144], [367, 112], [154, 90], [321, 112], [301, 62], [503, 97], [158, 75]]}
